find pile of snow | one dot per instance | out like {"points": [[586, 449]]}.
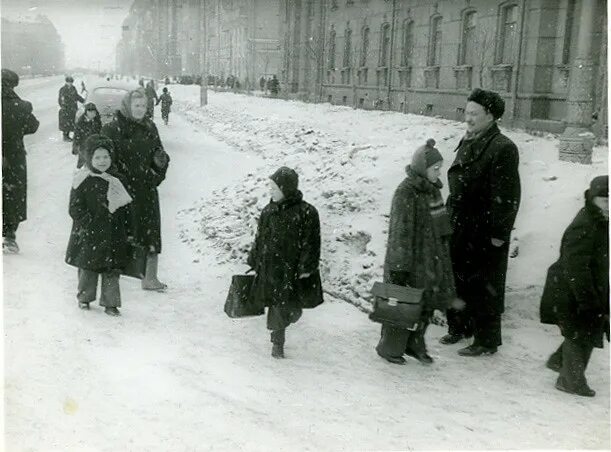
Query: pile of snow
{"points": [[350, 162]]}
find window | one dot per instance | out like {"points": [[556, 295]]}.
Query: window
{"points": [[332, 51], [568, 32], [469, 39], [365, 47], [385, 45], [509, 32], [408, 43], [348, 48], [435, 42]]}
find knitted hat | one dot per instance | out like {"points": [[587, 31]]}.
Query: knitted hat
{"points": [[10, 79], [94, 142], [490, 100], [287, 180], [599, 187], [425, 157]]}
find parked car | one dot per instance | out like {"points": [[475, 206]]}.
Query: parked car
{"points": [[107, 97]]}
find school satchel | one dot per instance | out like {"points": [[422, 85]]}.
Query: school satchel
{"points": [[136, 265], [396, 306], [239, 302]]}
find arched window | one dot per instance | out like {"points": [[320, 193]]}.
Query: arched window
{"points": [[408, 43], [385, 45], [435, 41], [365, 47], [469, 38], [348, 48]]}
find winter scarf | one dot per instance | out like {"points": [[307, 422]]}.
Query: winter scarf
{"points": [[116, 195], [439, 213], [470, 137], [126, 103]]}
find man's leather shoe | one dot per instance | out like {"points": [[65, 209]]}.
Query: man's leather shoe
{"points": [[477, 350]]}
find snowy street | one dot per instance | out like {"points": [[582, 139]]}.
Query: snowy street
{"points": [[174, 373]]}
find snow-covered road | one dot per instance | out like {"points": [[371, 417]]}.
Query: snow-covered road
{"points": [[174, 373]]}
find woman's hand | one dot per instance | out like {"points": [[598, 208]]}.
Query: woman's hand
{"points": [[304, 275]]}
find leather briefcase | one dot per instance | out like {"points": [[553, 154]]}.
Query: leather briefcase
{"points": [[397, 306]]}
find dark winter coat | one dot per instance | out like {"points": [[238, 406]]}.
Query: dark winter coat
{"points": [[151, 99], [17, 121], [98, 240], [68, 102], [484, 198], [166, 103], [85, 128], [136, 143], [287, 244], [416, 247], [576, 294], [273, 86]]}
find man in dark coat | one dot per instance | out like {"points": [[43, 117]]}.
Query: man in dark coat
{"points": [[484, 199], [285, 256], [17, 121], [68, 105], [274, 86], [576, 294], [151, 100]]}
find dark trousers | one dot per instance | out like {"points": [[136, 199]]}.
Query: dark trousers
{"points": [[278, 319], [394, 342], [9, 229], [110, 296], [484, 326], [572, 357]]}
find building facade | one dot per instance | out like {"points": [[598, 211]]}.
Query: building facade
{"points": [[192, 37], [32, 46], [547, 58]]}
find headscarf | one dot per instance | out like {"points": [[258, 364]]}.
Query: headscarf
{"points": [[126, 103]]}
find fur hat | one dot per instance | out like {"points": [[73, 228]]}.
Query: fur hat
{"points": [[94, 142], [10, 79], [425, 157], [599, 187], [69, 79], [490, 100], [287, 180]]}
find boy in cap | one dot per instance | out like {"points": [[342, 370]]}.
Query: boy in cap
{"points": [[576, 294], [484, 198], [285, 256]]}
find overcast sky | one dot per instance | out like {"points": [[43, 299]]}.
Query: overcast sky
{"points": [[90, 29]]}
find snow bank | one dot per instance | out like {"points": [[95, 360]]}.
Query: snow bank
{"points": [[350, 162]]}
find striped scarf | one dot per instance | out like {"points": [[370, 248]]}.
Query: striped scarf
{"points": [[439, 214]]}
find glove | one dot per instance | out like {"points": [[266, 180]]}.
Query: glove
{"points": [[161, 158]]}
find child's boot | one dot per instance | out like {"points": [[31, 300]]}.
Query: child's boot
{"points": [[150, 281]]}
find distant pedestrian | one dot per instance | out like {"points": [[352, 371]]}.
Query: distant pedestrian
{"points": [[484, 199], [98, 244], [88, 124], [17, 121], [166, 104], [576, 294], [262, 83], [418, 252], [83, 87], [151, 99], [285, 255], [68, 102], [141, 159], [274, 86]]}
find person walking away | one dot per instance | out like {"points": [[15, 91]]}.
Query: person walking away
{"points": [[263, 84], [88, 124], [274, 86], [286, 249], [166, 104], [17, 121], [151, 99], [98, 244], [83, 88], [68, 105], [418, 252], [483, 203], [141, 159], [576, 293]]}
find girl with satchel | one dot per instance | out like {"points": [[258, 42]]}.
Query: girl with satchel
{"points": [[418, 252], [285, 257]]}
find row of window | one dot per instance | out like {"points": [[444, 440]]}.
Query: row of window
{"points": [[476, 43]]}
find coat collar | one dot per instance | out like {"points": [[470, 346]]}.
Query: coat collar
{"points": [[421, 183], [471, 150]]}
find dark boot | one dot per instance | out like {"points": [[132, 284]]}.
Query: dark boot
{"points": [[449, 339], [477, 350], [278, 337], [278, 351], [421, 356], [113, 312], [583, 390]]}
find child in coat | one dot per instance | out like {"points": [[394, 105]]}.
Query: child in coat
{"points": [[88, 124], [285, 257], [576, 293], [98, 244], [166, 103]]}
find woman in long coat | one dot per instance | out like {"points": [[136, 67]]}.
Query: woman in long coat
{"points": [[17, 121], [418, 252], [88, 124], [141, 159], [285, 257], [68, 99], [576, 294]]}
